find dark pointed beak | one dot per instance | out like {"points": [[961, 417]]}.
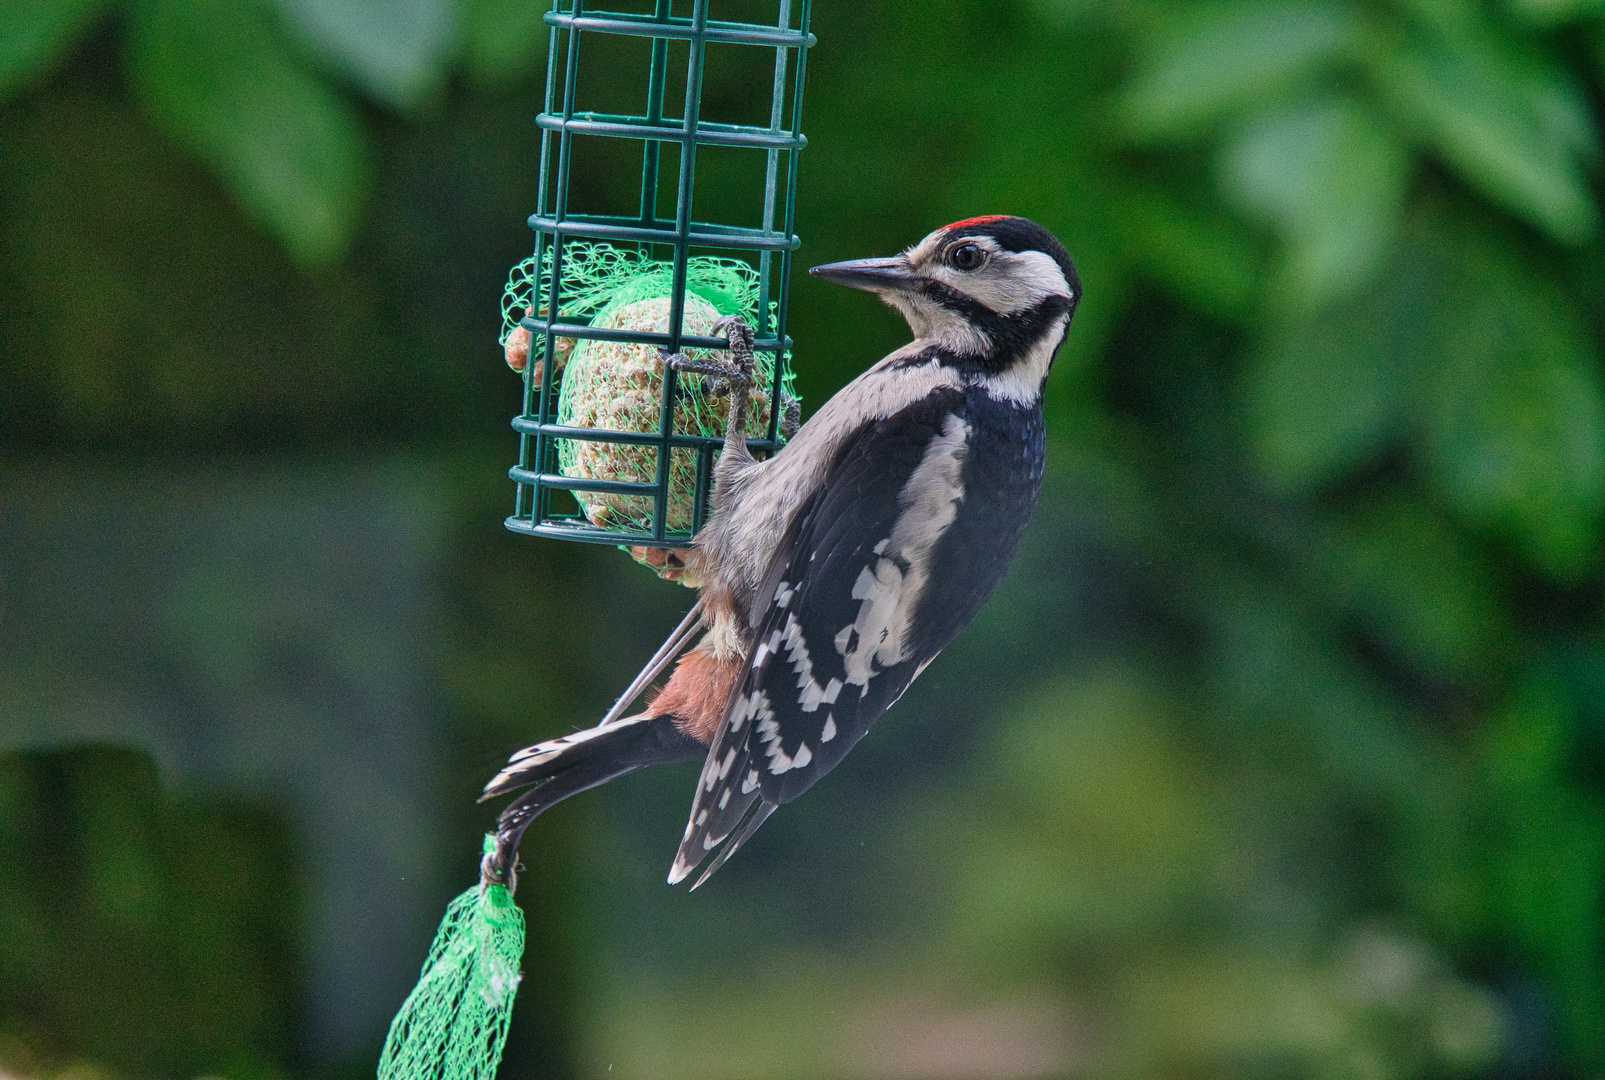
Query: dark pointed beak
{"points": [[876, 275]]}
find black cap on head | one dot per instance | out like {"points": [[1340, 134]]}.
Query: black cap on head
{"points": [[1020, 234]]}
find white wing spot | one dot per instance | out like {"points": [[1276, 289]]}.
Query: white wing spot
{"points": [[830, 728], [748, 707], [811, 695], [724, 798], [769, 734], [802, 757], [748, 785]]}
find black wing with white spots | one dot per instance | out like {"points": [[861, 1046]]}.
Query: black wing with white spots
{"points": [[912, 528]]}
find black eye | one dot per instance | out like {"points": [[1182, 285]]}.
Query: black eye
{"points": [[966, 257]]}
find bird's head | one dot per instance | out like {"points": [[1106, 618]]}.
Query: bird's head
{"points": [[995, 292]]}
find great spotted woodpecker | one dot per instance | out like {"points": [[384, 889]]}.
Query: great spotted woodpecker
{"points": [[832, 573]]}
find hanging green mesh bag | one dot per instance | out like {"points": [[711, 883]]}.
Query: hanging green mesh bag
{"points": [[618, 386], [454, 1023]]}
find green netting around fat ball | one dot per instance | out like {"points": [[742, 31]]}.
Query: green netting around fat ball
{"points": [[454, 1023], [618, 386]]}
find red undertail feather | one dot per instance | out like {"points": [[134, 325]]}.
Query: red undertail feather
{"points": [[697, 693]]}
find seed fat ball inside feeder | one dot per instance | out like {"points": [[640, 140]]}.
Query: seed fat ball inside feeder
{"points": [[618, 386]]}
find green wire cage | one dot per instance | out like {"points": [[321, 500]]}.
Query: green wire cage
{"points": [[693, 257]]}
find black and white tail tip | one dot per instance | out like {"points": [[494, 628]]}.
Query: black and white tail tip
{"points": [[732, 842]]}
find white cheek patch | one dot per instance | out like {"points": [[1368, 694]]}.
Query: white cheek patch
{"points": [[931, 322], [889, 590], [1011, 281]]}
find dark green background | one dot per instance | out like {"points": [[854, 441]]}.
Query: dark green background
{"points": [[1278, 754]]}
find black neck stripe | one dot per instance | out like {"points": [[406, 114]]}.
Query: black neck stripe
{"points": [[1012, 335]]}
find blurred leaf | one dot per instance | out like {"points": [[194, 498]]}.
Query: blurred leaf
{"points": [[1209, 59], [1277, 678], [1397, 567], [1331, 180], [218, 75], [396, 49], [1509, 130], [1339, 738], [1448, 17], [1097, 821], [502, 40], [1324, 395], [1207, 260], [1554, 12], [213, 328], [1546, 851], [1513, 410], [1561, 104], [35, 33]]}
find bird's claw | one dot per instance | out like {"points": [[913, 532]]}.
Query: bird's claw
{"points": [[740, 334], [740, 370]]}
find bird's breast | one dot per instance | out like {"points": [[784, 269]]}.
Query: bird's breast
{"points": [[733, 551]]}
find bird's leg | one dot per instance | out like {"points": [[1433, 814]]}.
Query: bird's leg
{"points": [[738, 377], [736, 458], [740, 336]]}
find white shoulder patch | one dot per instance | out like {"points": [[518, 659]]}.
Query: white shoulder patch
{"points": [[889, 590]]}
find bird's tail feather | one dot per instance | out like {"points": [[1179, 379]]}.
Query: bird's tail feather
{"points": [[759, 815], [557, 768], [535, 763]]}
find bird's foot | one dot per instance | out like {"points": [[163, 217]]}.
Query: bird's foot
{"points": [[741, 337], [721, 377]]}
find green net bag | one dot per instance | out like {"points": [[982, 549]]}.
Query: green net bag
{"points": [[454, 1023]]}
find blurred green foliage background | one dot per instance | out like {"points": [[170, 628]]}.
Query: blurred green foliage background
{"points": [[1279, 754]]}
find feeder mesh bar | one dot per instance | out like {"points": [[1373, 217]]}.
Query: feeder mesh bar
{"points": [[650, 469]]}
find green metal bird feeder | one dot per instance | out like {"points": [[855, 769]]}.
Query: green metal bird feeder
{"points": [[615, 446], [592, 318]]}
